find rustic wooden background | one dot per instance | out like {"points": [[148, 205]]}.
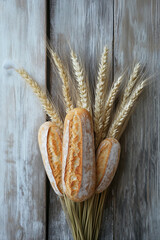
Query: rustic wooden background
{"points": [[29, 209]]}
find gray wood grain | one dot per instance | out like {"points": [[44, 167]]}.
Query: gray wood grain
{"points": [[88, 27], [131, 30], [137, 183], [22, 178]]}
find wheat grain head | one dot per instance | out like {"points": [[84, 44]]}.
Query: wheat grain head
{"points": [[100, 89], [109, 105], [46, 103], [82, 85], [131, 83], [64, 77], [120, 119]]}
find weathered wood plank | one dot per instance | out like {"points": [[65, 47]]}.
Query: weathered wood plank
{"points": [[22, 178], [137, 183], [88, 27]]}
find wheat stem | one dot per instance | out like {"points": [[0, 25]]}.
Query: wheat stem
{"points": [[82, 86], [46, 103], [64, 78], [117, 127], [100, 89], [115, 131]]}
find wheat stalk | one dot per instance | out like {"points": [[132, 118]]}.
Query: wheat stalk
{"points": [[75, 223], [82, 86], [122, 116], [100, 89], [46, 103], [109, 104], [131, 83], [64, 78], [115, 131]]}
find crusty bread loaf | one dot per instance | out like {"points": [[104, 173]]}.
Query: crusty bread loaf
{"points": [[107, 160], [78, 155], [50, 143]]}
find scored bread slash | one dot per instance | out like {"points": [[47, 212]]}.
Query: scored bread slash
{"points": [[78, 155], [107, 159], [50, 143]]}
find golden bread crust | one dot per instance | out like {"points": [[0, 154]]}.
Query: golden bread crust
{"points": [[78, 155], [107, 160], [50, 143]]}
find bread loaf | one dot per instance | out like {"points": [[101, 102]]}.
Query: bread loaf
{"points": [[50, 143], [78, 155], [107, 160]]}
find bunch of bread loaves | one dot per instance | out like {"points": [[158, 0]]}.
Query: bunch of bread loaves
{"points": [[70, 161]]}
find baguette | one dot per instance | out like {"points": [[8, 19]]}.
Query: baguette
{"points": [[78, 155], [50, 143], [107, 160]]}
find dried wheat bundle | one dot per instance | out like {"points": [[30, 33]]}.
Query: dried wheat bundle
{"points": [[109, 122]]}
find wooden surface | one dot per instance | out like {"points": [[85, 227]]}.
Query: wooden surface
{"points": [[137, 183], [131, 31], [22, 178]]}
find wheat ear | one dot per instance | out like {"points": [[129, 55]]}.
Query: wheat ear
{"points": [[110, 103], [120, 119], [131, 83], [64, 77], [100, 89], [46, 103], [82, 86]]}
